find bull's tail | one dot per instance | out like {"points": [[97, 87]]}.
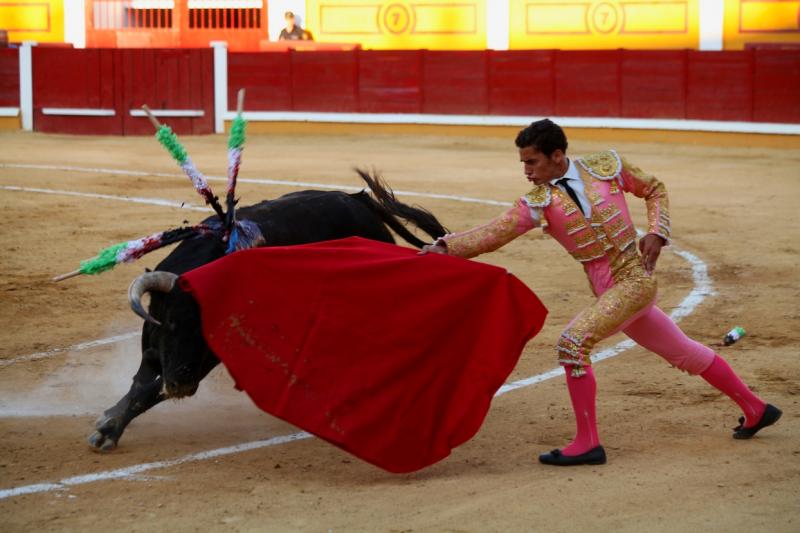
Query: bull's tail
{"points": [[392, 211]]}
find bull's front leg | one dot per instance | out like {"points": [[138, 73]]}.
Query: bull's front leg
{"points": [[145, 392]]}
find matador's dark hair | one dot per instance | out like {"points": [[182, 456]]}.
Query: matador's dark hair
{"points": [[544, 135]]}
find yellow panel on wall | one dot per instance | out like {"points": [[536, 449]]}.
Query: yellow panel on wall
{"points": [[29, 20], [773, 22], [400, 24], [640, 24]]}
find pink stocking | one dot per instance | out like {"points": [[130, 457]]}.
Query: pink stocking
{"points": [[582, 393], [722, 376]]}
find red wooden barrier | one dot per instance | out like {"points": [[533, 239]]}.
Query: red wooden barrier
{"points": [[749, 85], [390, 81], [776, 90], [455, 83], [760, 85], [325, 81], [9, 77], [179, 80], [653, 84], [521, 82], [93, 91], [65, 78], [588, 83], [720, 86], [267, 78]]}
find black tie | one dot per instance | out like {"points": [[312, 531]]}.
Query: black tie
{"points": [[572, 194]]}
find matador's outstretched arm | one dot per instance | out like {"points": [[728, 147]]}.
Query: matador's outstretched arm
{"points": [[492, 235]]}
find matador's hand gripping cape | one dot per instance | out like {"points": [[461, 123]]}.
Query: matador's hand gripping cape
{"points": [[393, 356]]}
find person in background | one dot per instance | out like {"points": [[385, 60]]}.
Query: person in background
{"points": [[293, 32]]}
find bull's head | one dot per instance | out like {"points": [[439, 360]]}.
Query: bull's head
{"points": [[173, 331]]}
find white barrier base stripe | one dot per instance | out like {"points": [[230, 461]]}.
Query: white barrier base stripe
{"points": [[132, 199], [74, 348], [134, 471], [78, 112], [720, 126], [169, 113], [9, 111]]}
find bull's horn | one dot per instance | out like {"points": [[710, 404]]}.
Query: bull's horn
{"points": [[149, 281]]}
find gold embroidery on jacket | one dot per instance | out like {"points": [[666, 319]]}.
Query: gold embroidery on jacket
{"points": [[486, 238], [606, 213], [575, 225], [567, 204], [614, 226], [594, 250], [654, 192], [585, 238], [624, 238], [602, 165], [608, 233], [593, 196], [539, 196]]}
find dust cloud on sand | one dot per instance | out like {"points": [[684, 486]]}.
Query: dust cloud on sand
{"points": [[88, 381]]}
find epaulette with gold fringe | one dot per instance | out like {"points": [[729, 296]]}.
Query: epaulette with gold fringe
{"points": [[539, 196], [602, 165]]}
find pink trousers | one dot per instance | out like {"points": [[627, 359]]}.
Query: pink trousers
{"points": [[626, 302]]}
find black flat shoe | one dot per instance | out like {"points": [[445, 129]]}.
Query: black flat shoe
{"points": [[595, 456], [771, 415]]}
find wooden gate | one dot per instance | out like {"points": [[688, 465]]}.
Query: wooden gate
{"points": [[76, 91], [101, 91]]}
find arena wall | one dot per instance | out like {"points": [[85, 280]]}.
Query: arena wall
{"points": [[101, 90], [9, 88], [40, 20]]}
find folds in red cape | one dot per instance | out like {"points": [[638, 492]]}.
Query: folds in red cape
{"points": [[392, 356]]}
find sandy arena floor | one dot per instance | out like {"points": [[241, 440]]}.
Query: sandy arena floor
{"points": [[672, 463]]}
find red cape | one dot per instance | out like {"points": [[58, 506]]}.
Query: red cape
{"points": [[393, 356]]}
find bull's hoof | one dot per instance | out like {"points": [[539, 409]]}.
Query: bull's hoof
{"points": [[101, 443], [107, 434]]}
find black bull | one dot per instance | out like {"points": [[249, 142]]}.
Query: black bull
{"points": [[175, 357]]}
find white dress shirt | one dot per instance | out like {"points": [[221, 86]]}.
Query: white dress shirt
{"points": [[576, 183]]}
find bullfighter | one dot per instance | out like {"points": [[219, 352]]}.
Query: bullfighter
{"points": [[580, 203]]}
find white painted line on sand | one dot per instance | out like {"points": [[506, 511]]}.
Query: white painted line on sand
{"points": [[255, 181], [135, 470], [98, 196], [74, 348]]}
